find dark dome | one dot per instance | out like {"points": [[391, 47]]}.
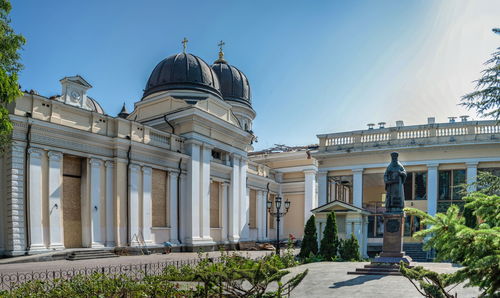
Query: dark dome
{"points": [[183, 71], [233, 83]]}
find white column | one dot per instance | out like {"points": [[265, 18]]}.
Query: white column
{"points": [[432, 188], [310, 200], [357, 187], [244, 201], [172, 218], [133, 208], [234, 206], [95, 202], [147, 205], [364, 248], [471, 176], [205, 192], [110, 235], [225, 194], [55, 194], [260, 215], [35, 200], [322, 188], [193, 193]]}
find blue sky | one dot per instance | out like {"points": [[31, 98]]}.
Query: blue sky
{"points": [[314, 66]]}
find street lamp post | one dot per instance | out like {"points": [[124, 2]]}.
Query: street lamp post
{"points": [[278, 214]]}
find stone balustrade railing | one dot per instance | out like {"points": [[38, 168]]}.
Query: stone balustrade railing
{"points": [[260, 170], [44, 109], [478, 131]]}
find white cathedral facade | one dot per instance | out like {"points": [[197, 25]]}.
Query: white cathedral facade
{"points": [[180, 168]]}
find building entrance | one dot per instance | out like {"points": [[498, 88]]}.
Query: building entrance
{"points": [[71, 202]]}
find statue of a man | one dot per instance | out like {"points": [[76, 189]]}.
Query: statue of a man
{"points": [[394, 178]]}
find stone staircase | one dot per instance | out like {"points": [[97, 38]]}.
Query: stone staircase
{"points": [[90, 254], [377, 269], [416, 252]]}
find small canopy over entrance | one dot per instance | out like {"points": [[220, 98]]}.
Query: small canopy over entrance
{"points": [[350, 220]]}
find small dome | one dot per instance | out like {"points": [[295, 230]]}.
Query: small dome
{"points": [[183, 71], [94, 105], [234, 84]]}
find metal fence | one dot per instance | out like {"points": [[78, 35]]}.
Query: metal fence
{"points": [[135, 271]]}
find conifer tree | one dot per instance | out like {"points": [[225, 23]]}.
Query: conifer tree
{"points": [[310, 240], [349, 249], [330, 241], [486, 98]]}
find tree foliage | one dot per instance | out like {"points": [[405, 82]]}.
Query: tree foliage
{"points": [[431, 284], [486, 98], [330, 242], [349, 249], [309, 242], [476, 249], [10, 44]]}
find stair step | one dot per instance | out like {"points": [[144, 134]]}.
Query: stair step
{"points": [[90, 254], [374, 272], [382, 269]]}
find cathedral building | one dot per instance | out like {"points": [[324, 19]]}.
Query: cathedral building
{"points": [[180, 168]]}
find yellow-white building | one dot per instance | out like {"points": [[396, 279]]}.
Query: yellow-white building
{"points": [[180, 168]]}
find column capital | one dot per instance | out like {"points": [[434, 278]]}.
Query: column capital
{"points": [[35, 152], [207, 146], [432, 166], [472, 164], [55, 155], [310, 172], [322, 173], [193, 142], [134, 167], [147, 170], [173, 174], [95, 162], [109, 164], [358, 170]]}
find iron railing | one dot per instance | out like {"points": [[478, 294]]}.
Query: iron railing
{"points": [[8, 281]]}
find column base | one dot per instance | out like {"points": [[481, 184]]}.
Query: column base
{"points": [[110, 244], [37, 249], [56, 246], [97, 245]]}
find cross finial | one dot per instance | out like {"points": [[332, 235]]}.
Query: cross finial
{"points": [[221, 53], [184, 44]]}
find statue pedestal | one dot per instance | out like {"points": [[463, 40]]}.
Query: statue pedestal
{"points": [[392, 250]]}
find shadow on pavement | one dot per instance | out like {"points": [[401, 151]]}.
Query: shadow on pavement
{"points": [[355, 281]]}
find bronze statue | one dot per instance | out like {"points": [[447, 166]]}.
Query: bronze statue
{"points": [[394, 178]]}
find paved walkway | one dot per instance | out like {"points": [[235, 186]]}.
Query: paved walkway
{"points": [[330, 279]]}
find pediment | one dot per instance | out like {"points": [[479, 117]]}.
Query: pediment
{"points": [[339, 206]]}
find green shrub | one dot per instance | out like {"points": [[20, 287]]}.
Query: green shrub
{"points": [[310, 240], [349, 249], [330, 241]]}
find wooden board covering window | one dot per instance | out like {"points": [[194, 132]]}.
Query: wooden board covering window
{"points": [[214, 205], [253, 209], [159, 197], [71, 201], [271, 218]]}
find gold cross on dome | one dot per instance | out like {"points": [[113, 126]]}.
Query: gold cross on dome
{"points": [[184, 44], [221, 44]]}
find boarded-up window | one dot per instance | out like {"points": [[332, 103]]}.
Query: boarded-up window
{"points": [[214, 205], [273, 208], [159, 197], [253, 209], [71, 201]]}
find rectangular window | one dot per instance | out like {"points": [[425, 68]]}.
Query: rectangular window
{"points": [[415, 186], [450, 183], [408, 187], [214, 205], [420, 186], [375, 226], [340, 189]]}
